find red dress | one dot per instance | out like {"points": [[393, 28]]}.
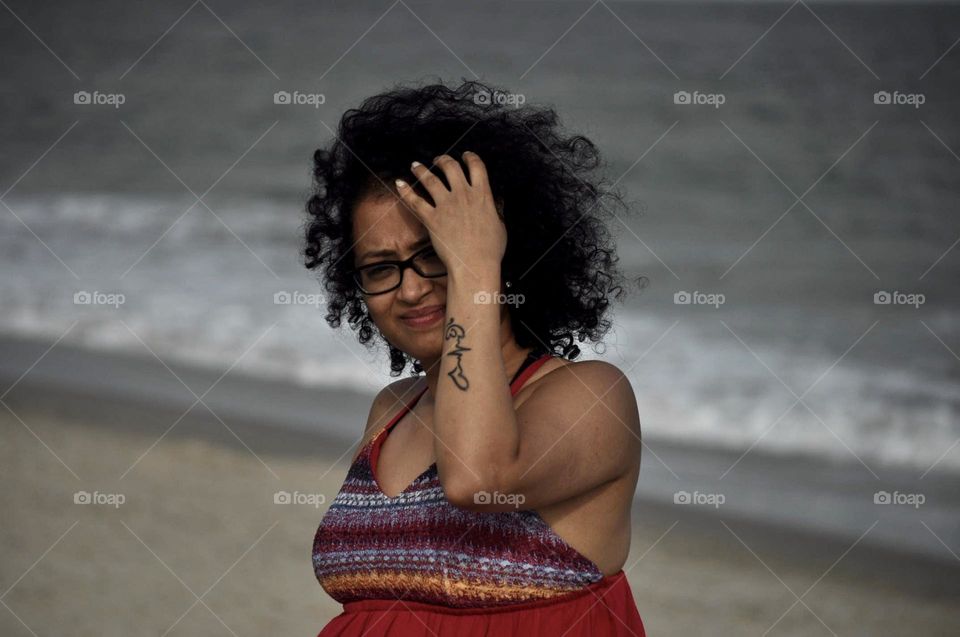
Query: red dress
{"points": [[415, 565]]}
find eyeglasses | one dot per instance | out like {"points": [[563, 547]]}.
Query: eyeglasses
{"points": [[385, 276]]}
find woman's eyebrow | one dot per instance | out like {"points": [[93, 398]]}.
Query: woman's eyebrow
{"points": [[388, 253]]}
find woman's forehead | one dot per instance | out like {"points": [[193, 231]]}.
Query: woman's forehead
{"points": [[384, 223]]}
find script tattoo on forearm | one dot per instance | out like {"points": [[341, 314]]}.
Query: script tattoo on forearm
{"points": [[455, 331]]}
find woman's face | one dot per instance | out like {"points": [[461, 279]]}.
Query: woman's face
{"points": [[383, 225]]}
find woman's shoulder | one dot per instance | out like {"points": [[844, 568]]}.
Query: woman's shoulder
{"points": [[387, 403], [558, 371], [571, 385]]}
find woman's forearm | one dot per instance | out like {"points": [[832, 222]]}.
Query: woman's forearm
{"points": [[474, 422]]}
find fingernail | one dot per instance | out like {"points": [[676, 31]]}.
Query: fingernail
{"points": [[401, 183], [415, 164]]}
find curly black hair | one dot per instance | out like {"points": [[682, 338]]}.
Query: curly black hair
{"points": [[560, 255]]}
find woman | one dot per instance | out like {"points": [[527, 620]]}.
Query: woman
{"points": [[467, 235]]}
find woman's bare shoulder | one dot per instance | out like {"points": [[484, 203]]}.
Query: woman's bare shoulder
{"points": [[387, 403], [567, 383], [558, 368]]}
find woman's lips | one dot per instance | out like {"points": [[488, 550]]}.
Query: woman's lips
{"points": [[426, 319]]}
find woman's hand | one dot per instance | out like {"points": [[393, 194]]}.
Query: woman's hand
{"points": [[465, 227]]}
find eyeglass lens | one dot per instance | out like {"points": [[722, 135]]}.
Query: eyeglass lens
{"points": [[381, 278]]}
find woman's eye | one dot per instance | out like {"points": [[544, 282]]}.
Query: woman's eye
{"points": [[378, 271]]}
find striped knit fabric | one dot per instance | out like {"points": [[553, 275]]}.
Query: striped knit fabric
{"points": [[419, 547]]}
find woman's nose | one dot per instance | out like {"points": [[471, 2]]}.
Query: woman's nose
{"points": [[413, 286]]}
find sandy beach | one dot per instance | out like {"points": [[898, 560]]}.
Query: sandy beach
{"points": [[149, 497], [183, 536]]}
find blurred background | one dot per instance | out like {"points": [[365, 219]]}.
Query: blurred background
{"points": [[793, 172]]}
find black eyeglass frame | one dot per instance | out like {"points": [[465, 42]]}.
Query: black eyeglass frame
{"points": [[403, 265]]}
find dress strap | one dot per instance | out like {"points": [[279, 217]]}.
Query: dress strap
{"points": [[527, 362], [405, 409], [534, 360]]}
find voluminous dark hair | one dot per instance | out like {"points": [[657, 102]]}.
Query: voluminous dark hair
{"points": [[560, 255]]}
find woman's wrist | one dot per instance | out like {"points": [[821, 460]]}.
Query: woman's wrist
{"points": [[479, 278]]}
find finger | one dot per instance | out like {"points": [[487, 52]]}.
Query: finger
{"points": [[412, 200], [429, 181], [477, 170], [452, 171]]}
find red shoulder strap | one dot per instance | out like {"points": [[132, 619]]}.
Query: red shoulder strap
{"points": [[405, 409], [528, 372]]}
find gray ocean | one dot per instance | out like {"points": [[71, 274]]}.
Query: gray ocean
{"points": [[790, 168]]}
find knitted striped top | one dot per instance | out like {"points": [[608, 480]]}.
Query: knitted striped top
{"points": [[417, 546]]}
